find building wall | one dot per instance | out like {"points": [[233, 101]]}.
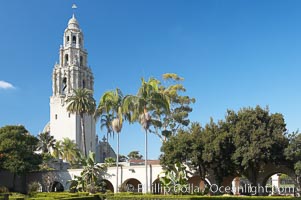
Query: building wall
{"points": [[126, 173]]}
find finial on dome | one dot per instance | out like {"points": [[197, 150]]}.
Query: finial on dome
{"points": [[73, 22], [74, 7]]}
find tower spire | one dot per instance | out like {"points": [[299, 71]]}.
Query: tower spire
{"points": [[74, 7]]}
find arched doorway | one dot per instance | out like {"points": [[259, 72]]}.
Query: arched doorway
{"points": [[197, 185], [57, 187], [156, 187], [279, 184], [131, 185], [240, 185], [273, 173], [108, 186]]}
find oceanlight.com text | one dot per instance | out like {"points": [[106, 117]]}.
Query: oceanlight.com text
{"points": [[213, 189]]}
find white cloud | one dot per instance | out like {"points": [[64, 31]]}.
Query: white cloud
{"points": [[6, 85]]}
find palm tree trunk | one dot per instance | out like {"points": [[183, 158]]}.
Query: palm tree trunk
{"points": [[117, 163], [83, 134], [145, 163], [107, 146]]}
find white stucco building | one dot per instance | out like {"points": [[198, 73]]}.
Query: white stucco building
{"points": [[71, 72]]}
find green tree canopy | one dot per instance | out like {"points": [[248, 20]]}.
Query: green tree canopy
{"points": [[46, 142], [179, 104], [17, 150], [259, 138], [135, 155], [89, 178], [217, 147], [82, 102], [293, 155], [241, 144], [187, 147]]}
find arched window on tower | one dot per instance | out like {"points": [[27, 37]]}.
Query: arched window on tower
{"points": [[68, 39], [66, 59], [80, 41], [64, 85], [84, 84], [81, 60], [74, 40]]}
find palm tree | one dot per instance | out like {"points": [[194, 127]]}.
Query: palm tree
{"points": [[106, 122], [135, 155], [149, 102], [111, 104], [70, 150], [57, 150], [90, 175], [46, 142], [81, 103], [92, 172]]}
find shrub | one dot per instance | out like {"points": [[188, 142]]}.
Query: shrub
{"points": [[3, 189], [34, 187]]}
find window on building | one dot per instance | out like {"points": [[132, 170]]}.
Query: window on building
{"points": [[84, 84], [64, 86], [81, 61], [66, 59], [74, 39], [55, 116]]}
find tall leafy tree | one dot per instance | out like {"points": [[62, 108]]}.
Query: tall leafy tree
{"points": [[293, 155], [111, 105], [179, 105], [187, 146], [17, 150], [259, 138], [134, 155], [178, 149], [147, 107], [122, 158], [217, 145], [81, 103], [46, 142]]}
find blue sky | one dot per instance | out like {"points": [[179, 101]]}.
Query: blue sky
{"points": [[232, 54]]}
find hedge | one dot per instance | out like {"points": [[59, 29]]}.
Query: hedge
{"points": [[68, 198], [130, 196], [56, 195], [59, 194], [83, 198]]}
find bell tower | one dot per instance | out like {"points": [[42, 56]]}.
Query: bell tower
{"points": [[72, 72]]}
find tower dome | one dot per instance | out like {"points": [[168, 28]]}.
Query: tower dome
{"points": [[73, 23]]}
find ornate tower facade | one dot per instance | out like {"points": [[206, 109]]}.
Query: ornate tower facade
{"points": [[72, 72]]}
